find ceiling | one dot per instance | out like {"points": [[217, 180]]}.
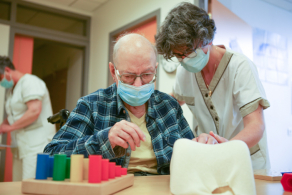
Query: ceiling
{"points": [[283, 4], [85, 5], [89, 6], [80, 5]]}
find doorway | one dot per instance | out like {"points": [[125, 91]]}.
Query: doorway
{"points": [[46, 27], [60, 67]]}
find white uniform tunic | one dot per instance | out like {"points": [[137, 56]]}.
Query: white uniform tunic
{"points": [[234, 92], [33, 138]]}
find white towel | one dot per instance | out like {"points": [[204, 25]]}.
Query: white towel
{"points": [[197, 168]]}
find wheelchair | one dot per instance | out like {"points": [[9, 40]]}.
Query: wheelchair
{"points": [[60, 117]]}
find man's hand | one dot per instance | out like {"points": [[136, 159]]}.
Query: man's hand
{"points": [[125, 132], [218, 138], [205, 139], [5, 128]]}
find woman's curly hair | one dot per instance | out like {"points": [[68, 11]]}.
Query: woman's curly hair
{"points": [[184, 28]]}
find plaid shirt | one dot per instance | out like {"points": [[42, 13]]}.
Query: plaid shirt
{"points": [[86, 130]]}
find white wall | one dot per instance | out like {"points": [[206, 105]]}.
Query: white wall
{"points": [[4, 46], [259, 14], [113, 15], [225, 21]]}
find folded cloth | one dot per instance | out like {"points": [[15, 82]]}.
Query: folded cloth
{"points": [[203, 169]]}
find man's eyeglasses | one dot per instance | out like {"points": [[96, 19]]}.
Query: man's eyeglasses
{"points": [[129, 78]]}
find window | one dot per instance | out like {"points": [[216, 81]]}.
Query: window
{"points": [[5, 10], [50, 20]]}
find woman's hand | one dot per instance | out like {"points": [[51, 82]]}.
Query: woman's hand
{"points": [[205, 139], [218, 138]]}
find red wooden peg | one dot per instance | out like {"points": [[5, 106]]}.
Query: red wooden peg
{"points": [[286, 182]]}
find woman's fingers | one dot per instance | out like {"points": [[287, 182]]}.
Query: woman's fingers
{"points": [[218, 138]]}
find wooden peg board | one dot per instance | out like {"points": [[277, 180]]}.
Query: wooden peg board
{"points": [[49, 187], [268, 175]]}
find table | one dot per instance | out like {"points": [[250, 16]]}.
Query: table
{"points": [[156, 185]]}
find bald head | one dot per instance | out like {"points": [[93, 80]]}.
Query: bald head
{"points": [[132, 45]]}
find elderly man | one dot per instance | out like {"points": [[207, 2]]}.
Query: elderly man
{"points": [[112, 122]]}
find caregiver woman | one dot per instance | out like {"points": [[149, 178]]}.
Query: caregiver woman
{"points": [[220, 87]]}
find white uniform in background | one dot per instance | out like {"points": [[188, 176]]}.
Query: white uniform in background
{"points": [[234, 92], [33, 138]]}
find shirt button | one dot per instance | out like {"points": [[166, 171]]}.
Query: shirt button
{"points": [[206, 95], [128, 154], [216, 118], [211, 107]]}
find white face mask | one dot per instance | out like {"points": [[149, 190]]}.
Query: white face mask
{"points": [[196, 64]]}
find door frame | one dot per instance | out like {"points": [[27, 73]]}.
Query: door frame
{"points": [[112, 35], [72, 40]]}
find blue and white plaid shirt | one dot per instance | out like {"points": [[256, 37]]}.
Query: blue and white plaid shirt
{"points": [[86, 130]]}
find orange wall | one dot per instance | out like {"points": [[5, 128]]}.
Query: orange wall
{"points": [[23, 53], [22, 60], [147, 29]]}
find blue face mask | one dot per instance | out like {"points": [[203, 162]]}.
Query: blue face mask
{"points": [[135, 96], [7, 84], [196, 64]]}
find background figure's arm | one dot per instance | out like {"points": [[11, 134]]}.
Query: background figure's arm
{"points": [[5, 122], [34, 109], [78, 135]]}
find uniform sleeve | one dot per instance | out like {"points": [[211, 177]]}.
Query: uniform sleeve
{"points": [[248, 91], [33, 88], [78, 135]]}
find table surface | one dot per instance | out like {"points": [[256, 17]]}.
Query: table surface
{"points": [[156, 185]]}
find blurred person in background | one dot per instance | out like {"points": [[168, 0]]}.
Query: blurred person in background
{"points": [[27, 106], [221, 87]]}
